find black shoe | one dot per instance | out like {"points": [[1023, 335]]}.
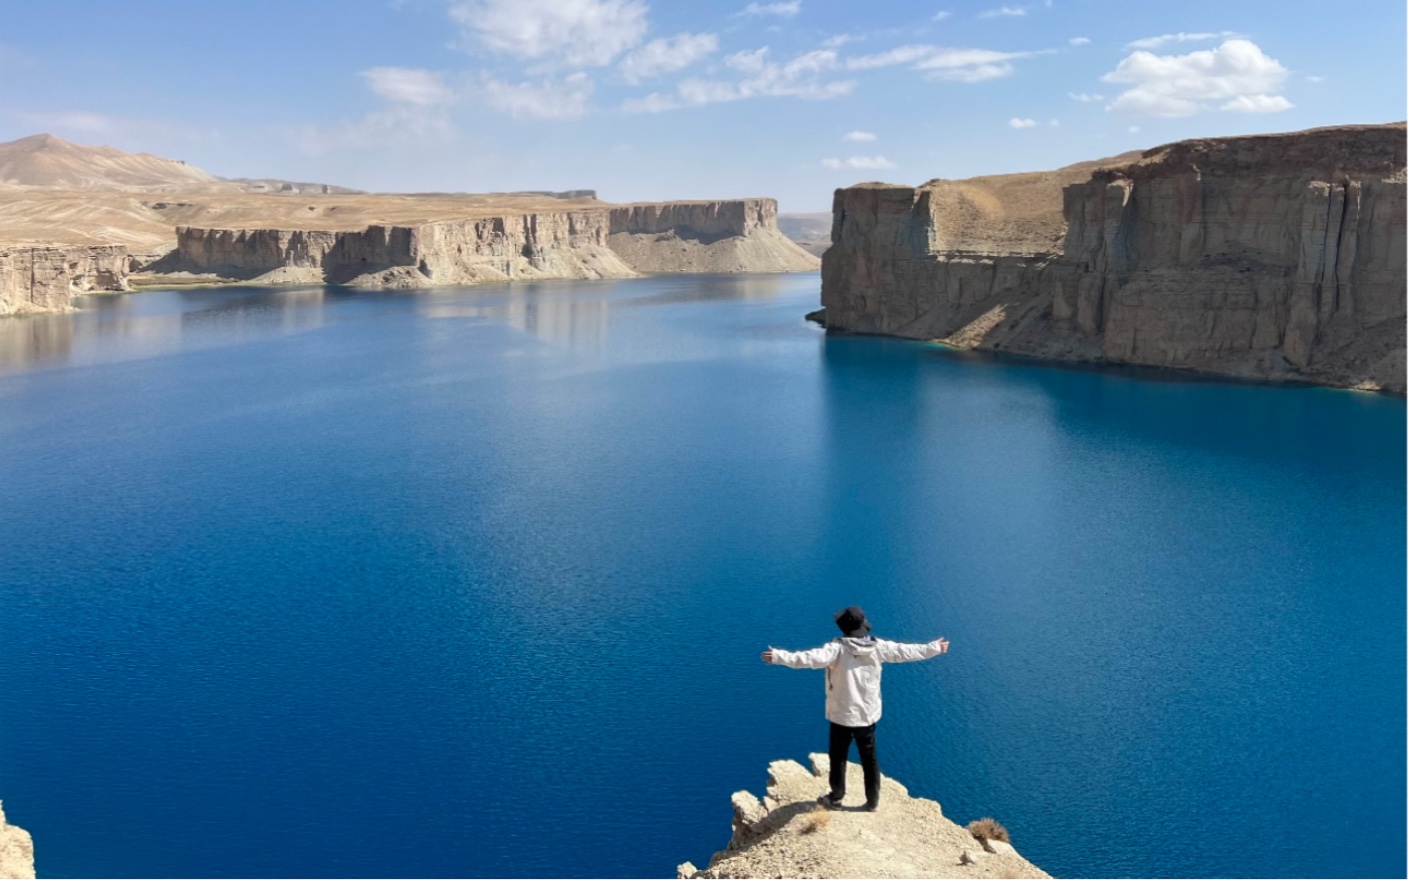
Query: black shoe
{"points": [[870, 806], [829, 802]]}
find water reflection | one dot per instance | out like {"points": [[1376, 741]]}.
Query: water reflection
{"points": [[116, 328], [570, 314]]}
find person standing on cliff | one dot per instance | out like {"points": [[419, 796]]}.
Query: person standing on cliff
{"points": [[852, 665]]}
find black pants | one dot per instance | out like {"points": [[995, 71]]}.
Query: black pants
{"points": [[840, 749]]}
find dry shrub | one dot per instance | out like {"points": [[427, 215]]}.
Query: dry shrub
{"points": [[816, 820], [988, 828]]}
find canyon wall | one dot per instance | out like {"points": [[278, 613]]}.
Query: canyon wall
{"points": [[44, 279], [1270, 257], [606, 242]]}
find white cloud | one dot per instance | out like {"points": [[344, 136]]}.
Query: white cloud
{"points": [[1079, 41], [1055, 123], [785, 10], [1016, 122], [802, 77], [1257, 104], [1085, 98], [551, 98], [955, 65], [1315, 79], [667, 55], [1180, 37], [838, 41], [859, 136], [970, 65], [941, 15], [570, 33], [407, 85], [1004, 12], [1134, 129], [860, 162], [1237, 75], [898, 55]]}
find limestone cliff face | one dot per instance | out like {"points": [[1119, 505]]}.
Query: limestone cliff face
{"points": [[16, 851], [44, 279], [785, 834], [588, 243], [529, 246], [1276, 257]]}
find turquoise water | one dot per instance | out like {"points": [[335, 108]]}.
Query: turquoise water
{"points": [[473, 582]]}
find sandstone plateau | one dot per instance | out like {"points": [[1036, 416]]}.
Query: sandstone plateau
{"points": [[1272, 257], [786, 835], [75, 219]]}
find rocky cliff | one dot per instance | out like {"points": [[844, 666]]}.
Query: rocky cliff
{"points": [[1275, 257], [16, 851], [787, 835], [605, 242], [44, 279], [570, 244]]}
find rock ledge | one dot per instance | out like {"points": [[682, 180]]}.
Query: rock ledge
{"points": [[787, 835]]}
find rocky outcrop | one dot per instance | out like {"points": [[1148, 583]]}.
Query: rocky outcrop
{"points": [[44, 279], [787, 835], [1275, 257], [732, 236], [737, 236], [16, 851]]}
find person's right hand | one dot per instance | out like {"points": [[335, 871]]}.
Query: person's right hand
{"points": [[943, 644], [767, 656]]}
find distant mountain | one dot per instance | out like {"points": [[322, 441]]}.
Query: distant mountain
{"points": [[43, 160]]}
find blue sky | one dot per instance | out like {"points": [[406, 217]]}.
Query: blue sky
{"points": [[647, 99]]}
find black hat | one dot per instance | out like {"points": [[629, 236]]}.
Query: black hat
{"points": [[852, 622]]}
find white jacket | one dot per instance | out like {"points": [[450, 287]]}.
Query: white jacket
{"points": [[853, 673]]}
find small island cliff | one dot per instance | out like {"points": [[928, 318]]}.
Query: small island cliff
{"points": [[1269, 257], [786, 834]]}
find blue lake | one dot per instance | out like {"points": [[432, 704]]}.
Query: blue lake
{"points": [[473, 582]]}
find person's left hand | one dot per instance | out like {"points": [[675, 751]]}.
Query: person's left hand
{"points": [[767, 656]]}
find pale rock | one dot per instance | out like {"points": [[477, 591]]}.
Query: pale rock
{"points": [[16, 851], [906, 837]]}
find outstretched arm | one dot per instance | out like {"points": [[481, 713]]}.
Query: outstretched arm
{"points": [[902, 652], [816, 658]]}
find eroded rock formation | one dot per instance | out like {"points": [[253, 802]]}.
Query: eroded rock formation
{"points": [[605, 242], [16, 851], [1271, 257], [44, 279], [787, 835]]}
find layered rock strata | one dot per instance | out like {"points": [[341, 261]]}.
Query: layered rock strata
{"points": [[619, 242], [16, 851], [1275, 257], [44, 279], [787, 835]]}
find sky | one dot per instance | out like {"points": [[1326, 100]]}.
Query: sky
{"points": [[666, 99]]}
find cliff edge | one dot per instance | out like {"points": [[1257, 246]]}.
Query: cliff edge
{"points": [[622, 241], [787, 835], [16, 851], [1272, 257]]}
